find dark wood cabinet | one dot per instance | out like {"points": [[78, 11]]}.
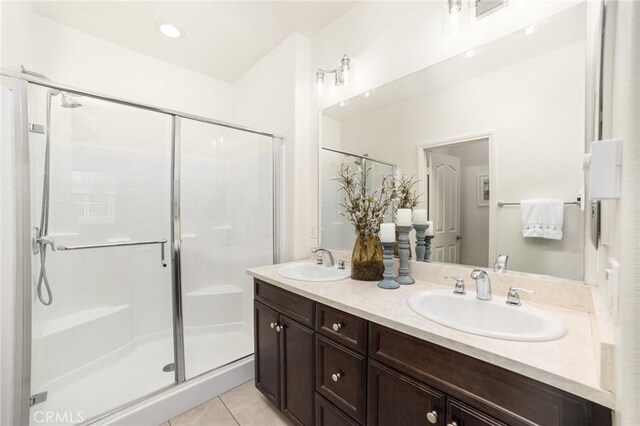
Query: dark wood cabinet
{"points": [[460, 414], [344, 328], [328, 415], [324, 367], [285, 353], [298, 368], [267, 347], [394, 399], [341, 377]]}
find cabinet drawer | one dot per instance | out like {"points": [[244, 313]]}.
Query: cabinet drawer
{"points": [[460, 414], [341, 377], [328, 415], [509, 397], [295, 307], [395, 399], [344, 328]]}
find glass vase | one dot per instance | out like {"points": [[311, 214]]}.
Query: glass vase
{"points": [[366, 259]]}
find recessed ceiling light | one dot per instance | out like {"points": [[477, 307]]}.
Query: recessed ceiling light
{"points": [[170, 30]]}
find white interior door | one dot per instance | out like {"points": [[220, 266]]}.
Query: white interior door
{"points": [[444, 206]]}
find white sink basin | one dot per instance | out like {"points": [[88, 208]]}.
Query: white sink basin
{"points": [[313, 272], [492, 318]]}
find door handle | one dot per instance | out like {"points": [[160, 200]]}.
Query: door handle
{"points": [[459, 237]]}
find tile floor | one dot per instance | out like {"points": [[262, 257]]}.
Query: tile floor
{"points": [[241, 406]]}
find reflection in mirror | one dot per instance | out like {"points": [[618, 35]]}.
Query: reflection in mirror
{"points": [[335, 229], [482, 132]]}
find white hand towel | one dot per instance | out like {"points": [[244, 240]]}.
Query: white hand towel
{"points": [[542, 218]]}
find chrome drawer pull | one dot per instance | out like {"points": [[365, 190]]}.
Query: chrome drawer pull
{"points": [[432, 417], [336, 326], [452, 424], [336, 376]]}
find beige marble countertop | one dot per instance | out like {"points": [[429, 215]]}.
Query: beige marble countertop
{"points": [[568, 363]]}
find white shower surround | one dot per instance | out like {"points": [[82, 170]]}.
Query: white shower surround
{"points": [[111, 319]]}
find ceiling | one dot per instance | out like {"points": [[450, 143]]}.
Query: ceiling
{"points": [[223, 38]]}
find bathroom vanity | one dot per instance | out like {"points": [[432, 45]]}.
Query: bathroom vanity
{"points": [[321, 365]]}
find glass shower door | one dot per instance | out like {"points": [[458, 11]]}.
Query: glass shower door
{"points": [[226, 215], [102, 337]]}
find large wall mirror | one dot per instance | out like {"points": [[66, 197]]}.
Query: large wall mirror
{"points": [[482, 132]]}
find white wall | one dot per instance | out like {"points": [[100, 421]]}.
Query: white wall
{"points": [[621, 224], [274, 95], [528, 154]]}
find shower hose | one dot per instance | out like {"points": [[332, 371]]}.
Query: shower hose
{"points": [[42, 279]]}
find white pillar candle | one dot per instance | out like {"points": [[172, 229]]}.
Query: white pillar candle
{"points": [[388, 232], [404, 217], [420, 217], [429, 232]]}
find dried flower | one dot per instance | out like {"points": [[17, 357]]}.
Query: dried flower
{"points": [[364, 210], [405, 195]]}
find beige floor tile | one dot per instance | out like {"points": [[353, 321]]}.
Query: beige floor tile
{"points": [[211, 413], [250, 407]]}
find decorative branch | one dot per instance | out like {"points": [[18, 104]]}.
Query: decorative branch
{"points": [[365, 211]]}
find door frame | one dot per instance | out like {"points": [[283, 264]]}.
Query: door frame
{"points": [[423, 176]]}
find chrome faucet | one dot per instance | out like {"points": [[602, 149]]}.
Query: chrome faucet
{"points": [[483, 285], [324, 257], [501, 263]]}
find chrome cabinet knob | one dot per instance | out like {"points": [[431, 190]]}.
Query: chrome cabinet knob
{"points": [[432, 417], [273, 325], [336, 326], [452, 424], [336, 376], [279, 328]]}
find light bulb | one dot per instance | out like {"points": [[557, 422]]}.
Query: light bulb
{"points": [[319, 82]]}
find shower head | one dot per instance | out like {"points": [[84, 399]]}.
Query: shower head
{"points": [[69, 101]]}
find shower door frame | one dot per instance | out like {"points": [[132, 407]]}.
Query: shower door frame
{"points": [[18, 83]]}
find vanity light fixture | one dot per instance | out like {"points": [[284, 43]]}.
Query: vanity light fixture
{"points": [[455, 6], [169, 30], [342, 74]]}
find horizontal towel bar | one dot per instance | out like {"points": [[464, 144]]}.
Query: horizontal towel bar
{"points": [[122, 244], [105, 245], [566, 203]]}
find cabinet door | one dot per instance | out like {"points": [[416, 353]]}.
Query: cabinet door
{"points": [[267, 351], [328, 415], [459, 414], [297, 366], [395, 400]]}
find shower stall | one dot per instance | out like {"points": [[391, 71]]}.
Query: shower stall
{"points": [[134, 228]]}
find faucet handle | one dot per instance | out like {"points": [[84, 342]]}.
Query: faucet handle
{"points": [[513, 298], [501, 263], [342, 263], [459, 289], [319, 260]]}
